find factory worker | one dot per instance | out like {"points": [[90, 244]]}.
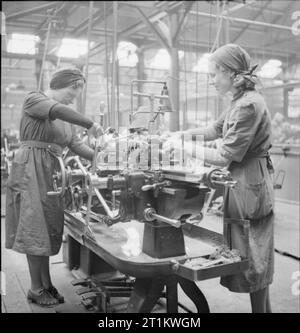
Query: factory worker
{"points": [[245, 129], [34, 220]]}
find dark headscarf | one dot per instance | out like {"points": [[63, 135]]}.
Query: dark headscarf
{"points": [[65, 78], [234, 58]]}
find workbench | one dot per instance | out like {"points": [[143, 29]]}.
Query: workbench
{"points": [[154, 275]]}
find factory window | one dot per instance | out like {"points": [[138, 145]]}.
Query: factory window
{"points": [[73, 48], [126, 54], [202, 65], [162, 59], [21, 43]]}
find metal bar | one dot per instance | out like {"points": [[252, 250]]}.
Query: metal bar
{"points": [[110, 213], [44, 55], [49, 57], [253, 18], [139, 25], [113, 84], [140, 74], [240, 20], [53, 14], [285, 85], [30, 11], [191, 45], [174, 84], [82, 25], [148, 23], [182, 21], [149, 81], [91, 7]]}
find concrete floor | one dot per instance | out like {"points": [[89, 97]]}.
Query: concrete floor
{"points": [[220, 300]]}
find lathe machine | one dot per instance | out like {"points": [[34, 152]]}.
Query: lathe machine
{"points": [[131, 231]]}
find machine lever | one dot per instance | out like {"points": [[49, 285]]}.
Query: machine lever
{"points": [[150, 215], [155, 185]]}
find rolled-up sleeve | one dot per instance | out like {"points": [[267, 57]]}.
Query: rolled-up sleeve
{"points": [[38, 105], [241, 132]]}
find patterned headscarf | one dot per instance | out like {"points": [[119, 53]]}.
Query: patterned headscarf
{"points": [[234, 58], [65, 78]]}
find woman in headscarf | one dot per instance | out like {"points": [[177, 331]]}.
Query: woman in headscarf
{"points": [[245, 129], [34, 220]]}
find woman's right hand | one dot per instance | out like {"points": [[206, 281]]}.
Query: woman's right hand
{"points": [[96, 130]]}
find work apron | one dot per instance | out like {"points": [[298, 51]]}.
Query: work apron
{"points": [[253, 201], [34, 220]]}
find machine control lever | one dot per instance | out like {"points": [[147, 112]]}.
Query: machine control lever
{"points": [[150, 215], [155, 185]]}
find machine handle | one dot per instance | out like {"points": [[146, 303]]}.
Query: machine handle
{"points": [[150, 215], [154, 186], [53, 193]]}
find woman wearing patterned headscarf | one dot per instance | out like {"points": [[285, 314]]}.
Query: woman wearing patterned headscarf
{"points": [[34, 221], [245, 129]]}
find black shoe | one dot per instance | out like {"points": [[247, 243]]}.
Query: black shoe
{"points": [[54, 292], [42, 298]]}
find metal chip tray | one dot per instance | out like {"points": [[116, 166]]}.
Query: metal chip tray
{"points": [[211, 272], [214, 239]]}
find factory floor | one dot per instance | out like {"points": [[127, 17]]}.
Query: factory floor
{"points": [[17, 281]]}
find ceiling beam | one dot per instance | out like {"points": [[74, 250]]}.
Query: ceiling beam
{"points": [[288, 11], [49, 57], [241, 20], [154, 29], [30, 11], [83, 25], [56, 15], [188, 7], [255, 16]]}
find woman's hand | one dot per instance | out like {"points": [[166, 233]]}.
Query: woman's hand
{"points": [[96, 130]]}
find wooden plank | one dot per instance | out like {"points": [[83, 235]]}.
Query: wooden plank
{"points": [[15, 300], [3, 307]]}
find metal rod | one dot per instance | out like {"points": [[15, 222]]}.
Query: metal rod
{"points": [[172, 222], [91, 7], [241, 20], [31, 11], [155, 31], [113, 93], [110, 213], [44, 55], [149, 81]]}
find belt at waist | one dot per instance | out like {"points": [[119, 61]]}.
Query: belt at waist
{"points": [[263, 155], [51, 147]]}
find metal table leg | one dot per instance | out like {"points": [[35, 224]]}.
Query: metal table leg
{"points": [[195, 294], [145, 294]]}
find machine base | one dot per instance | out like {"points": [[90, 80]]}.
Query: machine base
{"points": [[161, 240]]}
